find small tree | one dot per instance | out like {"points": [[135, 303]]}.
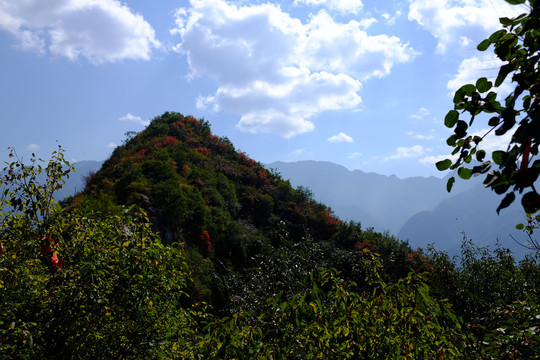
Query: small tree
{"points": [[120, 293], [518, 46], [23, 195]]}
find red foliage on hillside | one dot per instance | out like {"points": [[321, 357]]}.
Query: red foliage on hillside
{"points": [[48, 249]]}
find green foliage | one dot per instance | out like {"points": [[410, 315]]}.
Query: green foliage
{"points": [[116, 291], [244, 267], [496, 297], [328, 320], [29, 201], [517, 46]]}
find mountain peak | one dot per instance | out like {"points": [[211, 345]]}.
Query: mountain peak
{"points": [[191, 181]]}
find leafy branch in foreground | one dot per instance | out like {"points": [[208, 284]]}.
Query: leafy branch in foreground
{"points": [[517, 45]]}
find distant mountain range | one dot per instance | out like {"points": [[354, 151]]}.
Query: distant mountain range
{"points": [[76, 180], [416, 209], [470, 213]]}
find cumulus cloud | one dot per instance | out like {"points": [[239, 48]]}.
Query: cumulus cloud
{"points": [[341, 137], [344, 6], [432, 159], [407, 152], [420, 136], [32, 147], [99, 30], [422, 112], [482, 65], [390, 19], [274, 70], [135, 119], [492, 142], [298, 154], [458, 22]]}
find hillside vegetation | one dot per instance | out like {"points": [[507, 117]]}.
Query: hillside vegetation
{"points": [[183, 247]]}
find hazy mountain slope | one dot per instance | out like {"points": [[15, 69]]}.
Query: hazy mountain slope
{"points": [[417, 209], [471, 213], [76, 180], [383, 202]]}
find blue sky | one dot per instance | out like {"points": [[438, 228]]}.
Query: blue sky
{"points": [[365, 84]]}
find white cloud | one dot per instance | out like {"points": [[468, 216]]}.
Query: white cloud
{"points": [[492, 142], [407, 152], [341, 137], [344, 6], [354, 155], [420, 136], [422, 112], [298, 154], [99, 30], [135, 119], [32, 147], [471, 69], [459, 22], [111, 145], [432, 159], [274, 70], [391, 19]]}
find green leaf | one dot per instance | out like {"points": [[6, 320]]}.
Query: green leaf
{"points": [[498, 156], [480, 155], [444, 164], [465, 90], [494, 121], [530, 202], [515, 2], [484, 45], [508, 199], [451, 118], [501, 188], [509, 120], [450, 183], [503, 72], [468, 89], [520, 226], [461, 129], [491, 178], [465, 173], [491, 102], [497, 35], [506, 21], [483, 84], [482, 168]]}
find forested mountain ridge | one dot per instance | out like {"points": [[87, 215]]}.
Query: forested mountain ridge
{"points": [[199, 190], [190, 181]]}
